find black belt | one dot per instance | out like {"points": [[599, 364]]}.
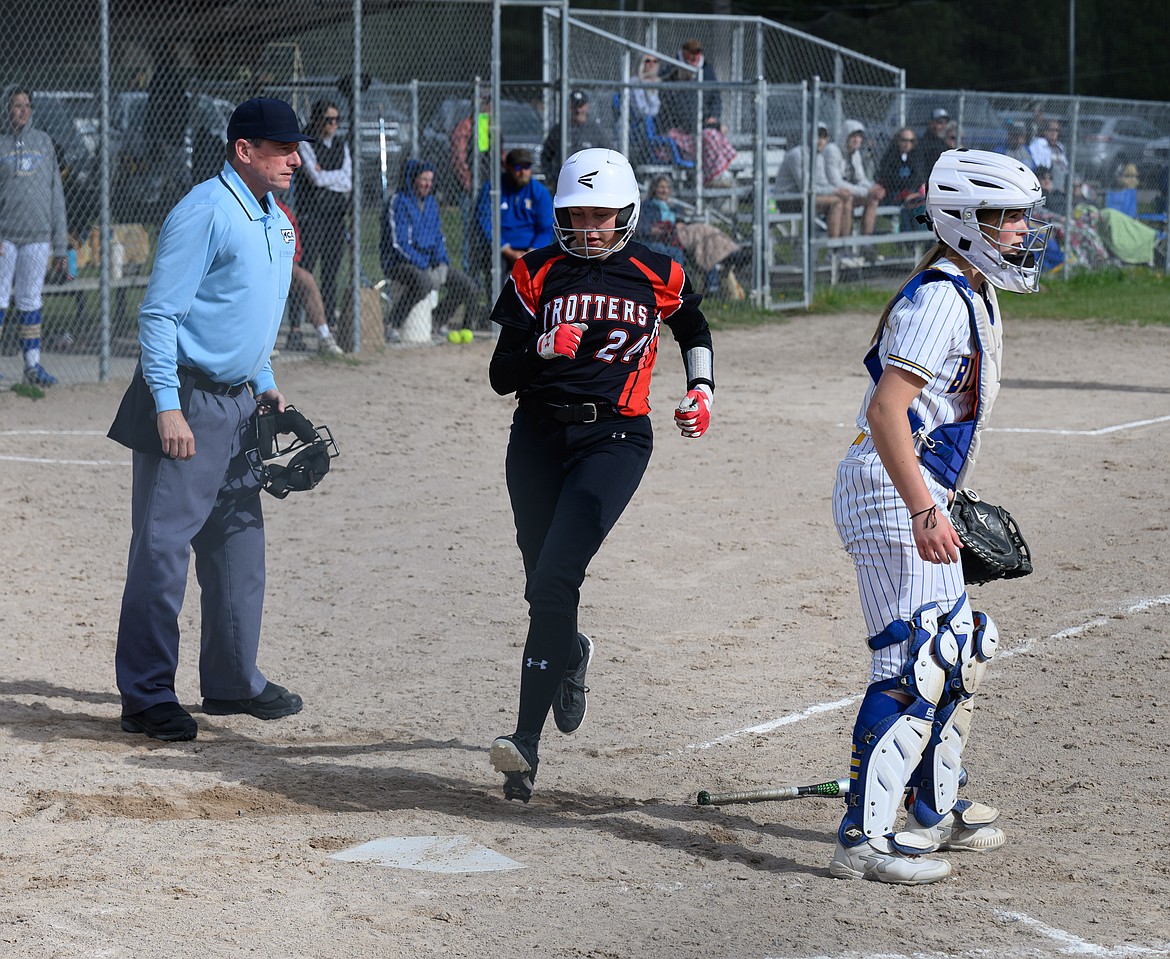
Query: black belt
{"points": [[206, 384], [572, 412]]}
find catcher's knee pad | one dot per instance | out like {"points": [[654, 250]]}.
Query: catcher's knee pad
{"points": [[977, 652], [931, 652]]}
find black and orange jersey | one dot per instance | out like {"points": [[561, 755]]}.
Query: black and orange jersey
{"points": [[623, 299]]}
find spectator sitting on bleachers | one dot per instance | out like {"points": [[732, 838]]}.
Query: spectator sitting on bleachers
{"points": [[855, 172], [834, 203], [902, 174], [680, 108], [662, 227], [932, 142], [644, 98], [585, 133], [1047, 151], [1017, 143]]}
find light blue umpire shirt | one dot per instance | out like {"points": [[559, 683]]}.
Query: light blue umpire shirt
{"points": [[218, 288]]}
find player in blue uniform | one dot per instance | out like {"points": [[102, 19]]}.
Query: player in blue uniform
{"points": [[580, 323], [935, 369]]}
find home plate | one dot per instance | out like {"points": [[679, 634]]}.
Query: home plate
{"points": [[429, 854]]}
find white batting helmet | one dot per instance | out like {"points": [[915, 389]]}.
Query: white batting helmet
{"points": [[596, 178], [962, 183]]}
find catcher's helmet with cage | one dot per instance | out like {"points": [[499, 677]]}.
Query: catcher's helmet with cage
{"points": [[964, 182], [299, 465]]}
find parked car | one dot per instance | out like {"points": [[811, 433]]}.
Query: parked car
{"points": [[1107, 142], [521, 126], [146, 186], [1155, 164]]}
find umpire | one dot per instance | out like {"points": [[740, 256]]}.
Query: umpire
{"points": [[207, 328]]}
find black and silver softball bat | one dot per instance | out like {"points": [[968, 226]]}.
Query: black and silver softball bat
{"points": [[832, 788]]}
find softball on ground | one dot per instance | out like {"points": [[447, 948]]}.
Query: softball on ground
{"points": [[454, 337], [466, 336]]}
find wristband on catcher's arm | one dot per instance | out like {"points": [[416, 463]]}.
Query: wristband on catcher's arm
{"points": [[699, 364]]}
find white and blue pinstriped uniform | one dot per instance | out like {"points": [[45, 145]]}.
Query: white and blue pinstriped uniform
{"points": [[929, 337]]}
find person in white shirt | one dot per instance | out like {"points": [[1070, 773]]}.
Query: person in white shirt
{"points": [[834, 203]]}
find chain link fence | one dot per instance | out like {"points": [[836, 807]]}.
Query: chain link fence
{"points": [[136, 96]]}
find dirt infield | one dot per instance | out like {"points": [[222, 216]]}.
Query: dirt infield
{"points": [[729, 655]]}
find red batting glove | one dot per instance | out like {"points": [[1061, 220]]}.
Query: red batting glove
{"points": [[562, 340], [693, 414]]}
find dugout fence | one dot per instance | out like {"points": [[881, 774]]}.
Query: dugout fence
{"points": [[136, 96]]}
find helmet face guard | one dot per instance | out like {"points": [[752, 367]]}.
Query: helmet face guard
{"points": [[300, 464], [600, 179], [966, 183]]}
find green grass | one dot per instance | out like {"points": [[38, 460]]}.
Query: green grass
{"points": [[1138, 295]]}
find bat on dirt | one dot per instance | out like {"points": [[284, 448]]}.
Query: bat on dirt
{"points": [[830, 789], [834, 787]]}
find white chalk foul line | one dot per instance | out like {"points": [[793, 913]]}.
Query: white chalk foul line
{"points": [[39, 459], [1139, 607], [778, 722], [52, 432], [58, 462], [1074, 945], [1102, 431]]}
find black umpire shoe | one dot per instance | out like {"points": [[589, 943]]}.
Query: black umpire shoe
{"points": [[273, 702], [515, 757], [570, 703], [169, 722]]}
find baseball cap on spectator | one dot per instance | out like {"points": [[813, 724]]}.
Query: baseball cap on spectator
{"points": [[853, 126], [262, 118], [517, 156], [940, 114], [579, 97]]}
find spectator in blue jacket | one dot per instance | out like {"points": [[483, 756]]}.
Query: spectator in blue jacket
{"points": [[414, 254], [526, 210]]}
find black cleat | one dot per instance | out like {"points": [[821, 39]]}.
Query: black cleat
{"points": [[515, 757], [570, 703]]}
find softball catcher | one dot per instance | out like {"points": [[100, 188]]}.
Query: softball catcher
{"points": [[935, 366], [580, 323]]}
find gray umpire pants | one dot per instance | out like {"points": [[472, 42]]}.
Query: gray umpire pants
{"points": [[211, 503]]}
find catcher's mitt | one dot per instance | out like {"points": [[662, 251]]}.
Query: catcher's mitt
{"points": [[993, 547]]}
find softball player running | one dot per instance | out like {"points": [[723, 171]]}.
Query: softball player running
{"points": [[580, 322], [935, 365]]}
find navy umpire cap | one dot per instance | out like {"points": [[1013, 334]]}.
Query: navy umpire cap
{"points": [[264, 119]]}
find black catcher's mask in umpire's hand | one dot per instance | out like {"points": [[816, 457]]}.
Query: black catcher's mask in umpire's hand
{"points": [[302, 464]]}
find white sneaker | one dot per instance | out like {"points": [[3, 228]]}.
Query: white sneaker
{"points": [[966, 827], [854, 262], [876, 859], [327, 346]]}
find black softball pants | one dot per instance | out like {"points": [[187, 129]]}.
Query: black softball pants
{"points": [[568, 484]]}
